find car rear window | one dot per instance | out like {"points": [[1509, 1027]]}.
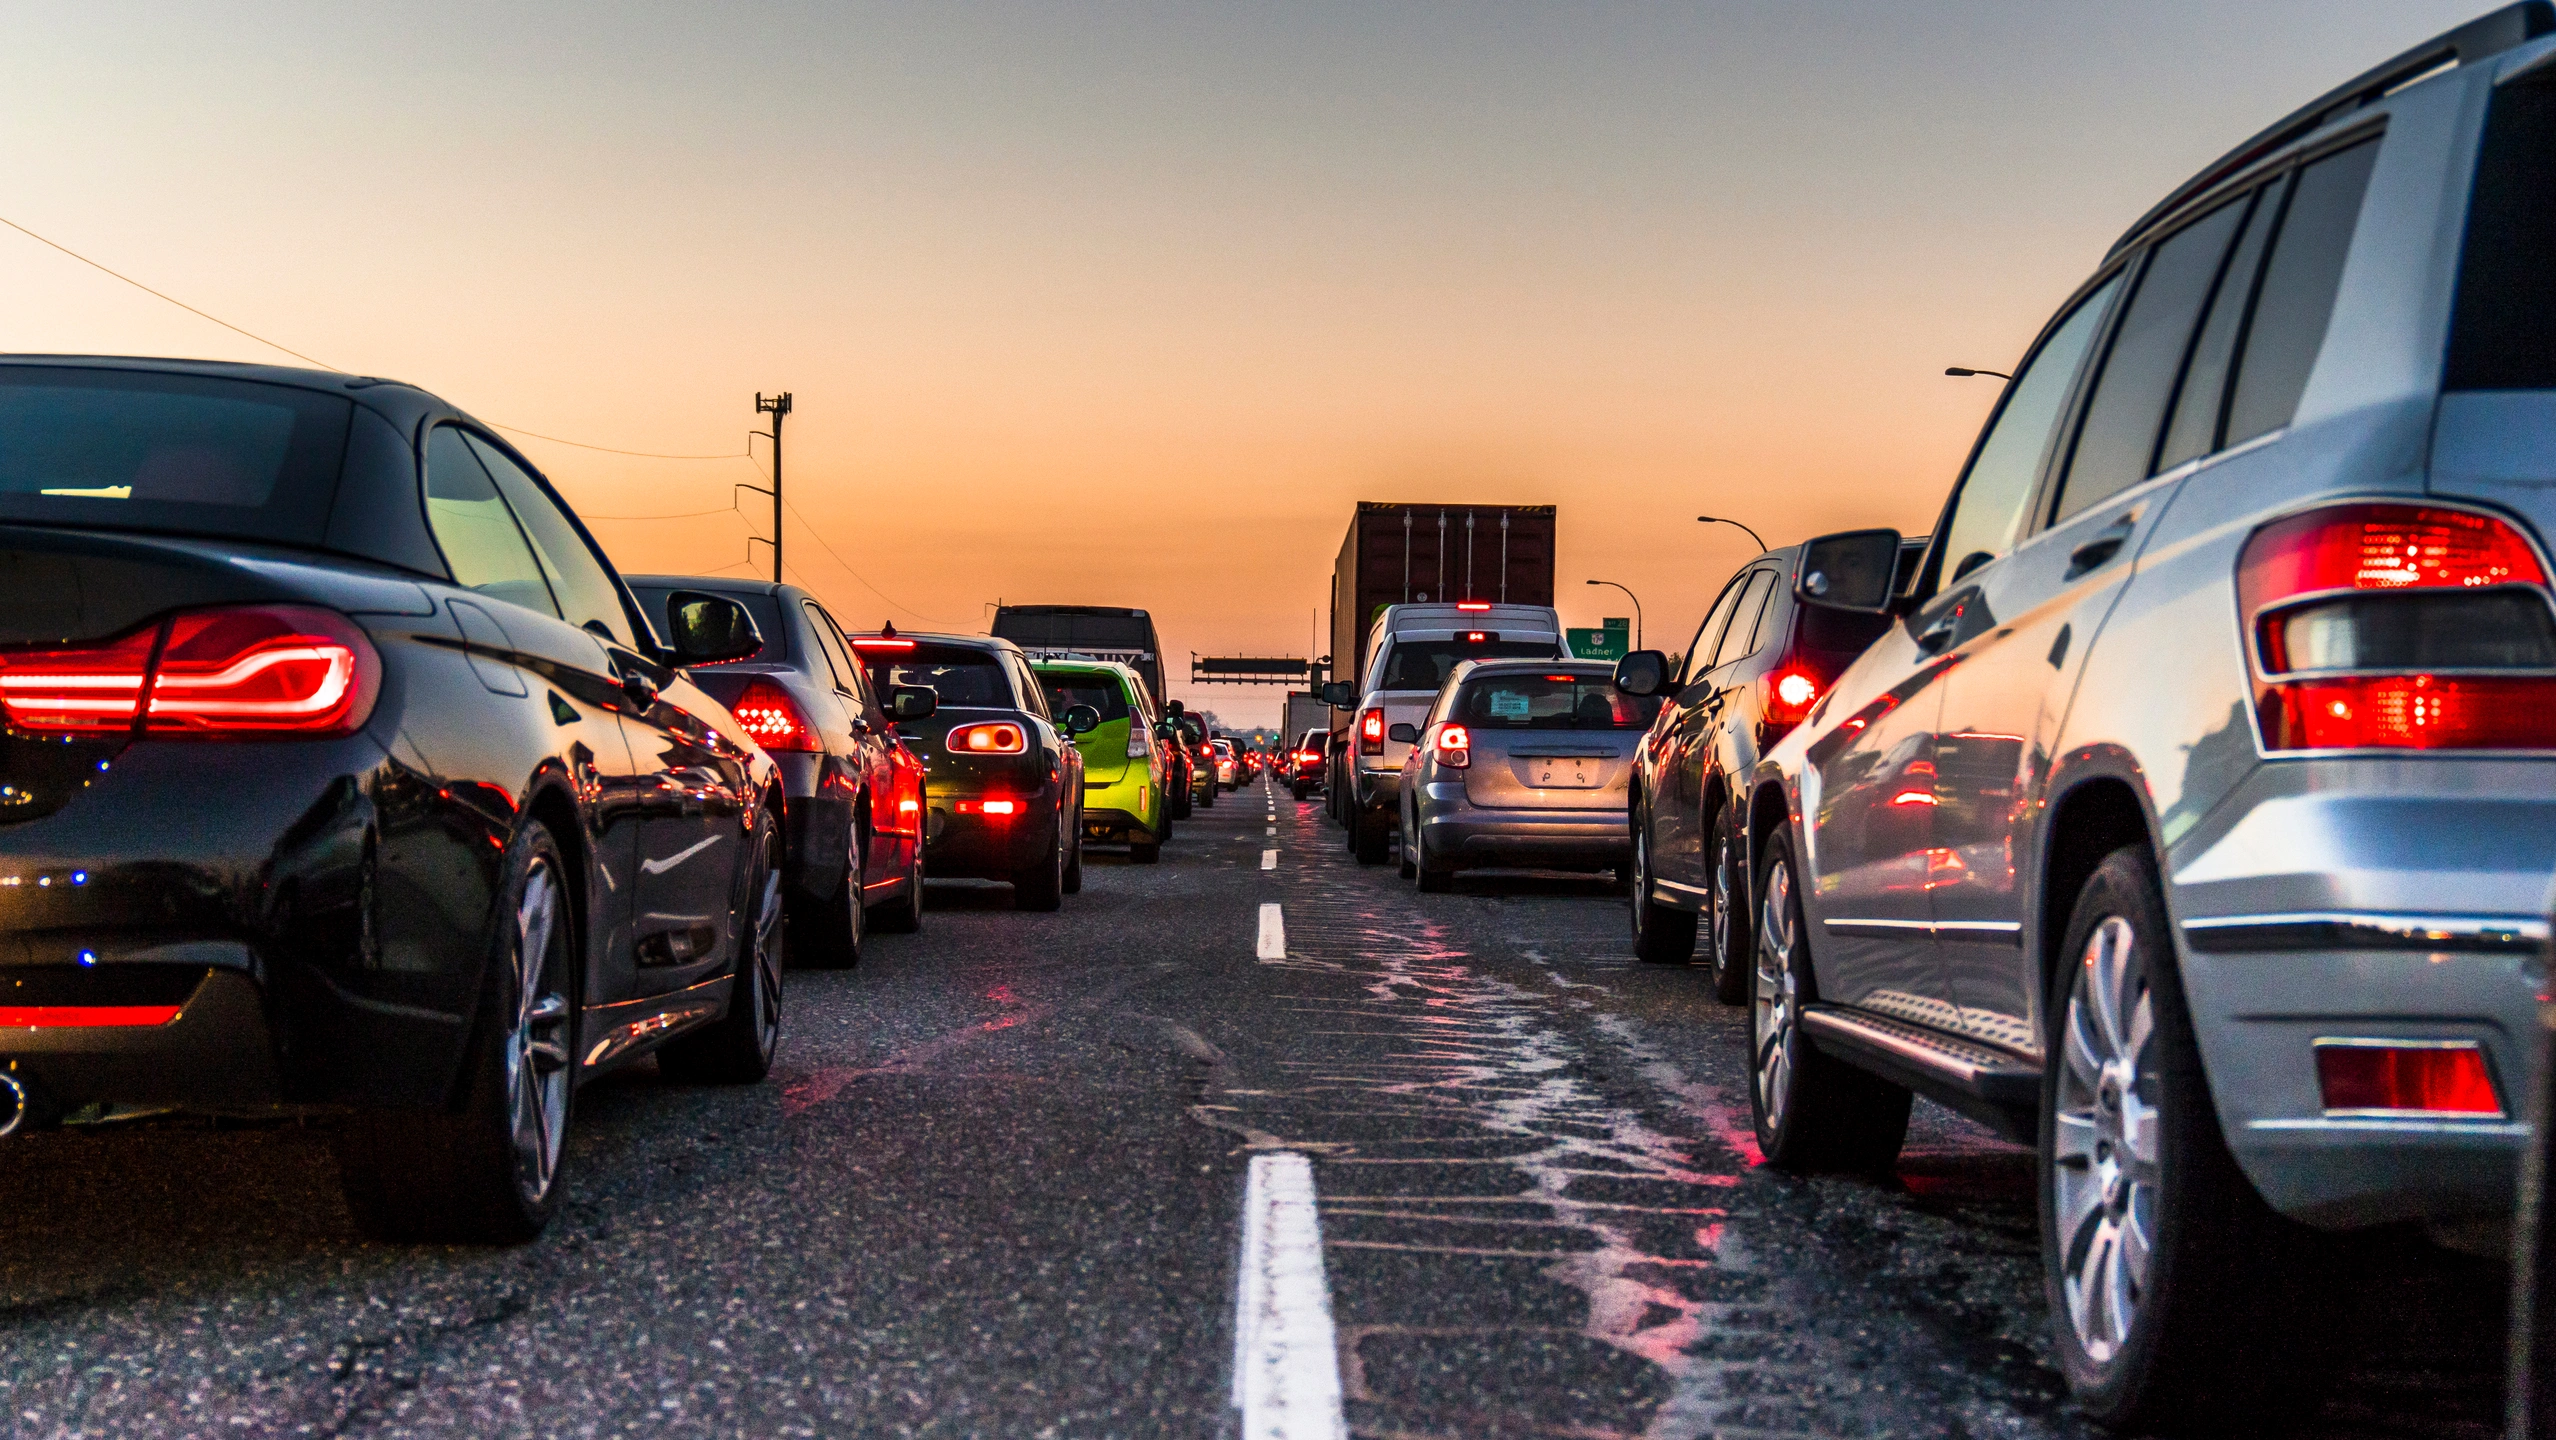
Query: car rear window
{"points": [[962, 677], [195, 454], [763, 607], [1425, 664], [1099, 690], [2506, 311], [1532, 701]]}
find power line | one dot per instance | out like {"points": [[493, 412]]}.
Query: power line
{"points": [[685, 515], [172, 299], [819, 537], [606, 449]]}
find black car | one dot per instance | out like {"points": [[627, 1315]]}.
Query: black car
{"points": [[1757, 665], [1004, 783], [855, 851], [341, 774]]}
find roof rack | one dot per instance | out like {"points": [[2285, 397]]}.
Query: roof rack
{"points": [[2486, 35]]}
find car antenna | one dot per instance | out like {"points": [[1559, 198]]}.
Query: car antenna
{"points": [[887, 631]]}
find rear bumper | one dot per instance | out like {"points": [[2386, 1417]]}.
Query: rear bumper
{"points": [[1117, 827], [1566, 839], [218, 1054]]}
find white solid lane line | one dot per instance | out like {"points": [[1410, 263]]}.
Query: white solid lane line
{"points": [[1273, 933], [1286, 1366], [1268, 859]]}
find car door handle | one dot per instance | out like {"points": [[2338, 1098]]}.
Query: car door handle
{"points": [[2099, 551], [1940, 634], [640, 687]]}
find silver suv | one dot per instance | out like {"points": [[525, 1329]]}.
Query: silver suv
{"points": [[2195, 819]]}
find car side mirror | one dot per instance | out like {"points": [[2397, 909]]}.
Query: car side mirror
{"points": [[1644, 672], [1339, 694], [1850, 571], [1405, 733], [1081, 719], [913, 702], [710, 629]]}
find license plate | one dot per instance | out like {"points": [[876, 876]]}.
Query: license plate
{"points": [[1565, 772]]}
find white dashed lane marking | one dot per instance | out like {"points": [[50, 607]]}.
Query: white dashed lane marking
{"points": [[1268, 859], [1273, 933], [1286, 1366]]}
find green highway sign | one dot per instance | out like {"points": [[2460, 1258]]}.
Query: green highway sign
{"points": [[1610, 641]]}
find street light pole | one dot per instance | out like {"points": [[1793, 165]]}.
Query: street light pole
{"points": [[1753, 535], [1637, 608]]}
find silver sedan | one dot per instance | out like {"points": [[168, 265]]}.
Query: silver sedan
{"points": [[1521, 764]]}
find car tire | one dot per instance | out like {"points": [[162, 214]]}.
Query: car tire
{"points": [[1432, 875], [826, 934], [1301, 791], [1662, 934], [1368, 840], [1812, 1111], [1074, 860], [1040, 886], [1145, 852], [2218, 1324], [737, 1048], [904, 914], [1207, 797], [1726, 936], [489, 1171]]}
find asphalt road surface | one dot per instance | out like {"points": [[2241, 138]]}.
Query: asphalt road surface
{"points": [[997, 1187]]}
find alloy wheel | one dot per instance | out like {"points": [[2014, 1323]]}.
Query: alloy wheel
{"points": [[2104, 1178], [1641, 872], [1722, 888], [1775, 1001], [537, 1047], [765, 993]]}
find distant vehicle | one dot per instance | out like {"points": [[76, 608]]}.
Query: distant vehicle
{"points": [[1088, 632], [1412, 650], [1757, 664], [1123, 799], [1191, 734], [2195, 815], [1520, 764], [1003, 779], [344, 773], [1305, 710], [853, 807], [1306, 762], [1228, 763]]}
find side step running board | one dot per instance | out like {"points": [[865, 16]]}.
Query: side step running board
{"points": [[2000, 1090]]}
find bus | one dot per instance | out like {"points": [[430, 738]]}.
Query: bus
{"points": [[1100, 632]]}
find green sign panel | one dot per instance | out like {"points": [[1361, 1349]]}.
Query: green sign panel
{"points": [[1610, 641]]}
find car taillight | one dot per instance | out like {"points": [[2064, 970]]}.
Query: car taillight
{"points": [[1140, 746], [996, 808], [1455, 746], [249, 671], [1473, 604], [767, 713], [1309, 757], [1371, 728], [995, 737], [873, 642], [2420, 1077], [2400, 627], [1791, 689]]}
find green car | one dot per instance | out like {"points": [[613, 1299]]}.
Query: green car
{"points": [[1123, 799]]}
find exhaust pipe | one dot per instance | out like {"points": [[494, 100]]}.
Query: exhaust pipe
{"points": [[14, 1104]]}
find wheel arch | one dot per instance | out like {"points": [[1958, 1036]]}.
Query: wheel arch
{"points": [[2097, 812]]}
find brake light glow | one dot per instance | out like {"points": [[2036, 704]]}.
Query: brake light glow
{"points": [[1455, 746], [1473, 604], [994, 737], [2445, 1077], [1371, 733], [83, 1017], [997, 808], [766, 713], [266, 670], [1475, 637], [2382, 626], [876, 643], [1791, 689]]}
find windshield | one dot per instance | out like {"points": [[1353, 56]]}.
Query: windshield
{"points": [[1100, 691], [965, 678], [129, 450], [1530, 701], [1425, 664]]}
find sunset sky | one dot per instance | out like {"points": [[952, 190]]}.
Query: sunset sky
{"points": [[1128, 305]]}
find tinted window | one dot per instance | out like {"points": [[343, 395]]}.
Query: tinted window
{"points": [[1425, 664], [848, 676], [832, 665], [481, 541], [765, 610], [577, 579], [2119, 437], [1699, 653], [2202, 399], [1738, 640], [968, 679], [1096, 688], [1530, 701], [2297, 295], [1989, 511], [2499, 335], [169, 452]]}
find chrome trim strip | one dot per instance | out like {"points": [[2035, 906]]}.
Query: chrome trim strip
{"points": [[1878, 927], [1658, 883], [2355, 930], [2010, 931], [2490, 1128]]}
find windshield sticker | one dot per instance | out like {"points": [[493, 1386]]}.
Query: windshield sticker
{"points": [[1509, 704]]}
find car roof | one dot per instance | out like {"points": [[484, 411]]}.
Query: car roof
{"points": [[990, 643], [716, 584]]}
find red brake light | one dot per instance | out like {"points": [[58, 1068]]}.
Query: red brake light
{"points": [[996, 808], [1371, 733], [875, 643], [2379, 626], [766, 712], [1791, 690], [1473, 604], [2438, 1078], [220, 674], [1455, 746], [1475, 637], [994, 737]]}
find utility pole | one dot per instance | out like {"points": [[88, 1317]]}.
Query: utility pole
{"points": [[776, 406]]}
